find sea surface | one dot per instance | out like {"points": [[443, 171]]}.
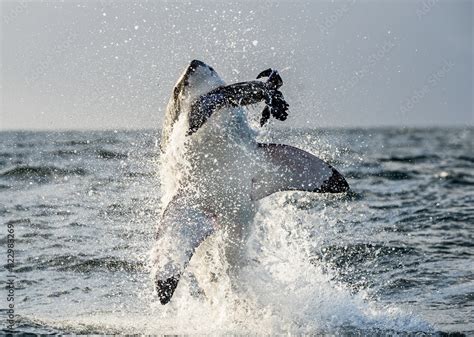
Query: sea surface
{"points": [[395, 255]]}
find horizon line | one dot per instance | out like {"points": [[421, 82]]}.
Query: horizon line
{"points": [[132, 129]]}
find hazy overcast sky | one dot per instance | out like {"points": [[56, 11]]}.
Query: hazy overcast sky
{"points": [[109, 64]]}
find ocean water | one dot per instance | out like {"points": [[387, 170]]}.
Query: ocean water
{"points": [[395, 255]]}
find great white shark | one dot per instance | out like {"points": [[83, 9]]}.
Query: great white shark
{"points": [[214, 171]]}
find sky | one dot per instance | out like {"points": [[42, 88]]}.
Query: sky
{"points": [[112, 64]]}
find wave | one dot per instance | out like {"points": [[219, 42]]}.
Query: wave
{"points": [[458, 179], [466, 158], [8, 154], [361, 252], [79, 264], [28, 172], [385, 174], [92, 139], [97, 153], [106, 264], [74, 142], [106, 154], [412, 159], [65, 153]]}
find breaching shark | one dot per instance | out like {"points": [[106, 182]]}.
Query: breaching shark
{"points": [[214, 171]]}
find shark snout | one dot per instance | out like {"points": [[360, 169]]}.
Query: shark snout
{"points": [[196, 63], [197, 69]]}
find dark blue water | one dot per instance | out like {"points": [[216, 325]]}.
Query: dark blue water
{"points": [[394, 255]]}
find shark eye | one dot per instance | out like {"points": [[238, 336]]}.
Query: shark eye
{"points": [[211, 69]]}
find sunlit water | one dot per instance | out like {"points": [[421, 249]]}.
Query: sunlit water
{"points": [[394, 255]]}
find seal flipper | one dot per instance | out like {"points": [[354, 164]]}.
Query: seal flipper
{"points": [[293, 169], [181, 230]]}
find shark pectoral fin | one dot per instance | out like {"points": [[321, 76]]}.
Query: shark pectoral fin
{"points": [[181, 230], [165, 288], [289, 168]]}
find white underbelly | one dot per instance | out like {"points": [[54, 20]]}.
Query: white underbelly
{"points": [[223, 162], [219, 164]]}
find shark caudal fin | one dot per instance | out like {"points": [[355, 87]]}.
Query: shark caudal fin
{"points": [[181, 230], [292, 169]]}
